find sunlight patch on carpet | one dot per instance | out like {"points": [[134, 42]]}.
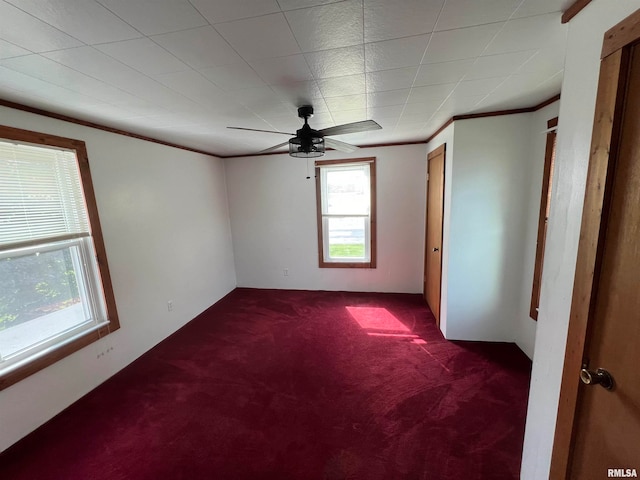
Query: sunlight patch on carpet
{"points": [[377, 318]]}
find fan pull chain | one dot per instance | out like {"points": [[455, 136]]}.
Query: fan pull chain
{"points": [[308, 175]]}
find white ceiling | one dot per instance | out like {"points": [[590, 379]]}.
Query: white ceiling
{"points": [[183, 70]]}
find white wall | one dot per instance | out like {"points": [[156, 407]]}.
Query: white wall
{"points": [[166, 229], [586, 32], [525, 332], [445, 137], [493, 177], [273, 221], [487, 237]]}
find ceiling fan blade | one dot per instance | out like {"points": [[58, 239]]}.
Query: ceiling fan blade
{"points": [[338, 145], [256, 130], [355, 127], [275, 147]]}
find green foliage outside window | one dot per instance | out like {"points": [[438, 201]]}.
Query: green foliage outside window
{"points": [[35, 285]]}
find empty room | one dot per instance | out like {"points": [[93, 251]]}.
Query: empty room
{"points": [[319, 239]]}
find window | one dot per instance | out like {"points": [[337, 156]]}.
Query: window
{"points": [[55, 295], [346, 209], [545, 203]]}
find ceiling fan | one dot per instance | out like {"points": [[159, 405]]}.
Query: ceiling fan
{"points": [[308, 142]]}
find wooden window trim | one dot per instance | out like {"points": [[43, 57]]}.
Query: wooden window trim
{"points": [[573, 10], [43, 139], [614, 70], [372, 215], [542, 218]]}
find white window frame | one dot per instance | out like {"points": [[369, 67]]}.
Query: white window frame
{"points": [[323, 217]]}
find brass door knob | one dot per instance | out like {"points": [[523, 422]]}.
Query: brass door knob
{"points": [[599, 377]]}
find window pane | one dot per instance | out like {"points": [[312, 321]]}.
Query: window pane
{"points": [[41, 296], [348, 191], [347, 238]]}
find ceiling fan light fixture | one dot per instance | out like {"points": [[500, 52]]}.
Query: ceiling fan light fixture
{"points": [[308, 147]]}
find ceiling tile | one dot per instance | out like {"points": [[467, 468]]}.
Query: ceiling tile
{"points": [[412, 124], [385, 20], [283, 70], [152, 17], [444, 72], [436, 121], [482, 86], [96, 64], [278, 109], [327, 26], [299, 93], [256, 96], [348, 102], [348, 116], [26, 31], [463, 13], [402, 52], [529, 33], [460, 44], [46, 69], [295, 4], [260, 37], [394, 79], [87, 21], [548, 61], [522, 91], [538, 7], [143, 55], [390, 97], [54, 94], [199, 47], [421, 110], [388, 112], [516, 85], [430, 93], [233, 77], [227, 10], [141, 107], [499, 65], [9, 50], [193, 85], [337, 62], [342, 86]]}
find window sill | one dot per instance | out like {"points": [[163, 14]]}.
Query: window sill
{"points": [[324, 264]]}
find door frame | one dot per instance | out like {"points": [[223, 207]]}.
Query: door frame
{"points": [[614, 69], [441, 150]]}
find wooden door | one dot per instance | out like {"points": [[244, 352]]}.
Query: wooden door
{"points": [[598, 430], [433, 236]]}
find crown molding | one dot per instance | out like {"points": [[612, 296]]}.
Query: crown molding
{"points": [[117, 131], [574, 9]]}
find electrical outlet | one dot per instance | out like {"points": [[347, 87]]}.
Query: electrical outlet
{"points": [[105, 352], [286, 272], [170, 306]]}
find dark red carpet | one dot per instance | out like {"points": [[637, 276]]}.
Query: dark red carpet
{"points": [[271, 384]]}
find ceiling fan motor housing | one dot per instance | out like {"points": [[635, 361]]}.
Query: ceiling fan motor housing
{"points": [[307, 142], [305, 111]]}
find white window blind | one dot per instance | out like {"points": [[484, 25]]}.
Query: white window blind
{"points": [[41, 195]]}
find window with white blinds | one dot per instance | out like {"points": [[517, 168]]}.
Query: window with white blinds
{"points": [[41, 195], [53, 292]]}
